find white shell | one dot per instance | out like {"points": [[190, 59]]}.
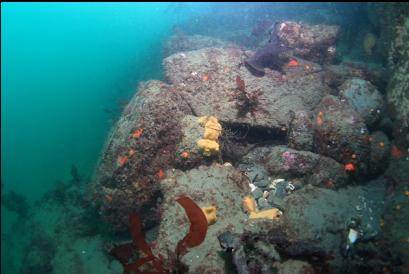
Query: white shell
{"points": [[265, 194], [274, 183], [352, 236], [252, 187]]}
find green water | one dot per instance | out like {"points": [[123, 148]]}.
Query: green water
{"points": [[65, 70]]}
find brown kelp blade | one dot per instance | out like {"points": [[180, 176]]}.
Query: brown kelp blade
{"points": [[198, 225]]}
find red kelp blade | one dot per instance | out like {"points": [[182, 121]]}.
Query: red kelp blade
{"points": [[137, 235], [240, 84], [133, 267], [198, 225], [123, 253], [139, 240]]}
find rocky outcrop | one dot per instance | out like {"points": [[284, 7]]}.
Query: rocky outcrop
{"points": [[206, 79], [159, 131]]}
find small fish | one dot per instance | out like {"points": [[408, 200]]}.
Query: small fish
{"points": [[350, 167], [292, 64], [131, 152], [137, 133]]}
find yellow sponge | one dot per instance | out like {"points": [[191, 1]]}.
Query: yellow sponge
{"points": [[273, 213], [210, 213], [249, 206], [212, 130], [208, 147]]}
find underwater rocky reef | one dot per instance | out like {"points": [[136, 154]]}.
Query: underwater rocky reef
{"points": [[301, 155]]}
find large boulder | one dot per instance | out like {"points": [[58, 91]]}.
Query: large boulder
{"points": [[364, 98], [340, 133], [336, 75], [380, 152], [312, 42], [138, 151], [304, 166], [314, 228], [208, 80], [220, 186]]}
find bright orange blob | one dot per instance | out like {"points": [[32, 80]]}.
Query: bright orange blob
{"points": [[184, 155], [137, 133], [122, 160], [350, 167], [292, 64], [396, 152], [161, 174]]}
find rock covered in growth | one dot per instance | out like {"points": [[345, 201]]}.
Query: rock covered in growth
{"points": [[398, 87], [300, 133], [364, 98], [188, 152], [336, 75], [340, 133], [206, 79], [217, 185], [314, 229], [180, 43], [312, 42], [308, 167], [139, 149], [380, 152]]}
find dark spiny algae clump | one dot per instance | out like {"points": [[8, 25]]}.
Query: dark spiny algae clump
{"points": [[275, 142]]}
